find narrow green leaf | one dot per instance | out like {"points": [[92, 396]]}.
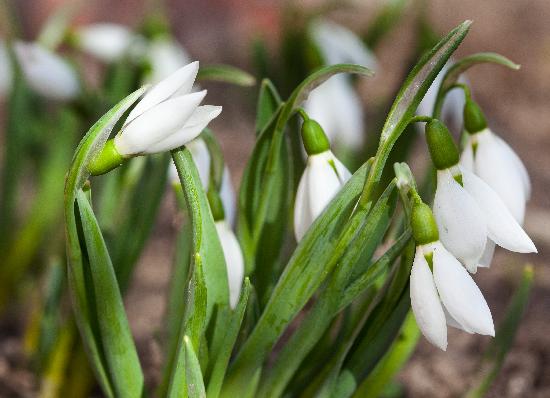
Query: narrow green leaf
{"points": [[219, 364], [312, 261], [190, 371], [226, 74], [268, 102], [505, 335], [392, 362], [76, 177]]}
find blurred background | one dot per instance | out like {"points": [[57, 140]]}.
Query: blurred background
{"points": [[516, 104]]}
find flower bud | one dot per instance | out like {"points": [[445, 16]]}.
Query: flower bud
{"points": [[106, 160], [474, 120], [424, 227], [443, 150], [314, 138]]}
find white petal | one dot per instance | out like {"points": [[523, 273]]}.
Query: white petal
{"points": [[343, 173], [503, 228], [425, 303], [6, 74], [106, 41], [467, 156], [303, 216], [227, 195], [155, 125], [509, 153], [180, 82], [47, 73], [201, 157], [166, 56], [462, 226], [340, 45], [460, 294], [233, 259], [454, 323], [192, 128], [173, 176], [488, 253], [323, 182], [494, 165]]}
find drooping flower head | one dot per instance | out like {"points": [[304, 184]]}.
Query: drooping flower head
{"points": [[467, 210], [442, 292], [323, 177], [107, 42], [46, 72], [167, 117]]}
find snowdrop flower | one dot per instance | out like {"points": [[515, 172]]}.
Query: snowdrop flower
{"points": [[201, 157], [323, 177], [233, 259], [106, 41], [492, 160], [6, 73], [335, 104], [165, 56], [467, 210], [47, 73], [451, 111], [442, 292]]}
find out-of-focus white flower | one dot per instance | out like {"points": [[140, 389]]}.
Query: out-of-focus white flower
{"points": [[448, 296], [6, 73], [451, 112], [105, 41], [165, 56], [167, 117], [46, 72], [323, 177], [500, 167], [337, 107], [233, 259], [335, 104], [468, 214], [201, 157]]}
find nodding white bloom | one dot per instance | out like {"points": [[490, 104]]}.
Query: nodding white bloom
{"points": [[323, 177], [495, 162], [6, 73], [233, 259], [469, 211], [105, 41], [201, 157], [335, 104], [46, 72], [165, 56], [446, 296], [451, 112], [167, 117]]}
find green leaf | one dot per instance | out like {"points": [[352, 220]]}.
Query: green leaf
{"points": [[311, 329], [226, 74], [401, 350], [90, 145], [116, 339], [505, 335], [411, 93], [190, 371], [313, 260], [221, 360], [206, 244], [461, 66], [268, 102]]}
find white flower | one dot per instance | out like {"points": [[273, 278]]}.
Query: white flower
{"points": [[47, 73], [323, 177], [451, 112], [105, 41], [467, 215], [500, 167], [167, 117], [165, 56], [201, 157], [338, 109], [233, 259], [448, 296], [335, 104], [6, 73]]}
